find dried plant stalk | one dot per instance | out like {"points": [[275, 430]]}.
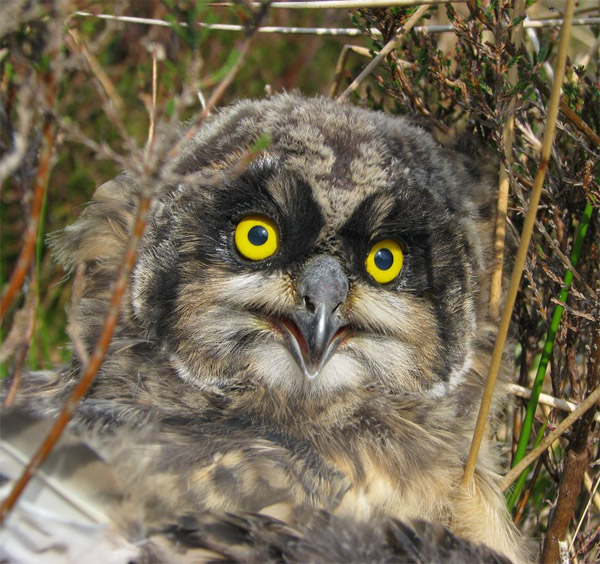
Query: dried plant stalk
{"points": [[385, 51], [503, 183], [341, 65], [521, 257], [321, 31], [584, 406], [546, 399], [18, 276]]}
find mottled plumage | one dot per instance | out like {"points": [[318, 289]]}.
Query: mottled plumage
{"points": [[264, 386]]}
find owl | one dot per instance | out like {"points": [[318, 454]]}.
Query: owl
{"points": [[304, 332]]}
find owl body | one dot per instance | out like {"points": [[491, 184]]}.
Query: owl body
{"points": [[265, 361]]}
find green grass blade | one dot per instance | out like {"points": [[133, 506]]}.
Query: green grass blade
{"points": [[547, 352]]}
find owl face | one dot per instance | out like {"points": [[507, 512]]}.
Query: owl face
{"points": [[350, 253]]}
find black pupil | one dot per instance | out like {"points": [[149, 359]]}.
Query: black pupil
{"points": [[258, 235], [384, 259]]}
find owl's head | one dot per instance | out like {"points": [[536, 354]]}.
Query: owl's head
{"points": [[349, 253]]}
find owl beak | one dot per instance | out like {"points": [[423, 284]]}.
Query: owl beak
{"points": [[313, 342], [317, 327]]}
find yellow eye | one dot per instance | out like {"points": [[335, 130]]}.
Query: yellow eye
{"points": [[384, 261], [256, 237]]}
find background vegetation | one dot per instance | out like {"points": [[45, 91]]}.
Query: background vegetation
{"points": [[80, 97]]}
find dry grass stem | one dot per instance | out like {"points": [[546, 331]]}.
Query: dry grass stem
{"points": [[593, 497], [320, 31], [341, 65], [521, 257], [589, 486], [152, 109], [385, 51], [96, 69], [583, 407], [503, 182], [546, 399]]}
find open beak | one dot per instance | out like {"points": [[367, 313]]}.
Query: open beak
{"points": [[317, 327]]}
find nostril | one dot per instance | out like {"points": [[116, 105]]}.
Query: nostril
{"points": [[337, 307], [309, 305]]}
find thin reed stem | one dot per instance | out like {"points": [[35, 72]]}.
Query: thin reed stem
{"points": [[521, 257], [508, 132]]}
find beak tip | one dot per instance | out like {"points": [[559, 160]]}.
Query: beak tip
{"points": [[310, 376]]}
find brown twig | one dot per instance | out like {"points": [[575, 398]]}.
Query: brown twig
{"points": [[112, 102], [96, 68], [385, 51], [73, 132], [577, 459], [41, 181], [521, 257], [341, 65], [525, 499], [91, 370]]}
